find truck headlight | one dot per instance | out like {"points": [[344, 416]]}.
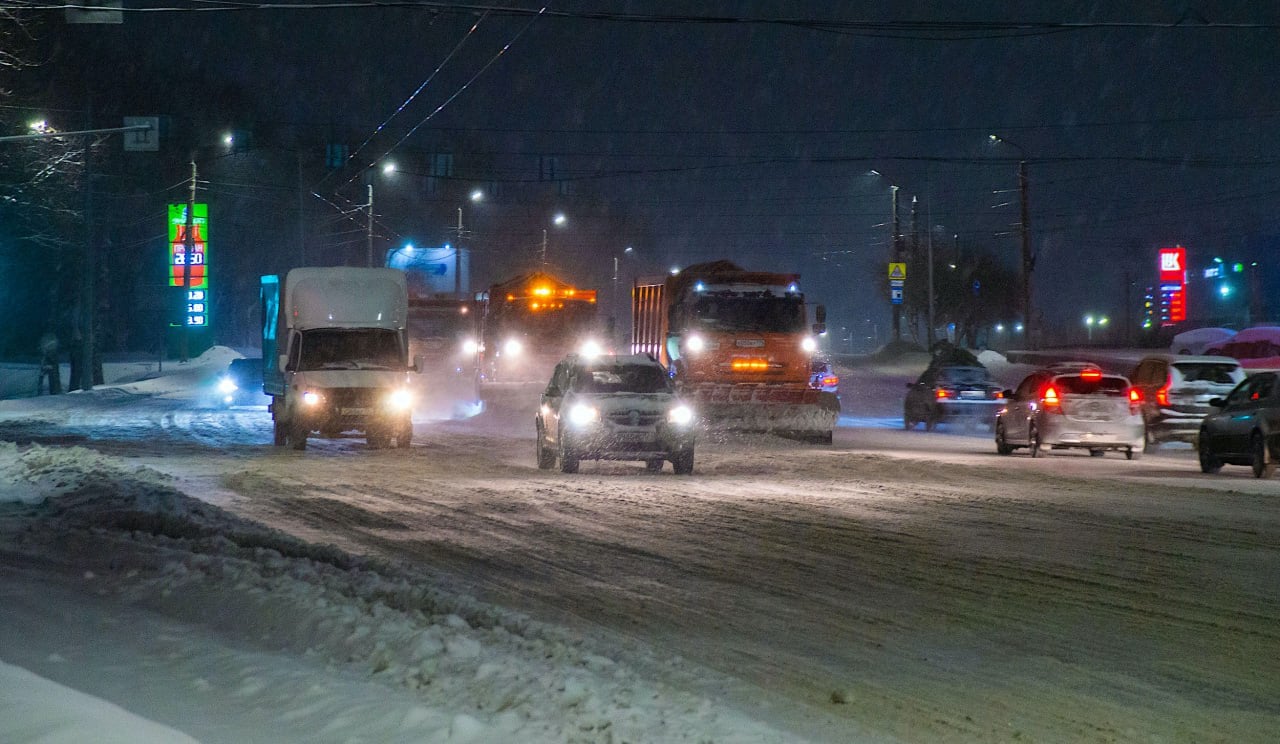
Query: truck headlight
{"points": [[583, 414], [311, 399], [681, 415], [227, 386], [512, 347], [470, 346], [695, 344], [399, 400], [809, 344]]}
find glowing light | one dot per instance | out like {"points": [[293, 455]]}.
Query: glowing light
{"points": [[1091, 374], [695, 344], [512, 347], [559, 219], [1050, 397], [681, 415], [399, 400], [582, 415], [388, 168], [750, 365], [227, 385], [809, 344], [542, 291], [591, 349], [311, 398], [477, 195], [228, 140], [470, 346]]}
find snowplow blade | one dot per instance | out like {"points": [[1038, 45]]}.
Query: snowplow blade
{"points": [[799, 412]]}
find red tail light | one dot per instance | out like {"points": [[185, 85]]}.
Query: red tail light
{"points": [[830, 381], [1162, 395], [1135, 400], [998, 395], [1091, 374], [943, 394], [1050, 400]]}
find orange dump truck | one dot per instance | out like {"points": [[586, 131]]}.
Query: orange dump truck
{"points": [[738, 343]]}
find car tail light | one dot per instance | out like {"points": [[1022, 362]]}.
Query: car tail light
{"points": [[997, 394], [1050, 400], [1162, 394], [943, 394], [1092, 375], [1135, 400], [830, 381]]}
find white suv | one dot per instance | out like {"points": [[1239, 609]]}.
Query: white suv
{"points": [[613, 408]]}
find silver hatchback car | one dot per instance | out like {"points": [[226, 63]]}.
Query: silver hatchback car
{"points": [[1077, 408]]}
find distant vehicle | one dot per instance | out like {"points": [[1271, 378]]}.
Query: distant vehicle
{"points": [[1175, 392], [241, 384], [1081, 408], [1201, 341], [823, 377], [952, 393], [613, 408], [1255, 348], [1245, 430]]}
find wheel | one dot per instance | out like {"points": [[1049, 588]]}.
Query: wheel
{"points": [[280, 434], [1208, 462], [568, 458], [377, 438], [1149, 441], [907, 422], [1263, 464], [1132, 454], [546, 455], [654, 465], [1100, 453], [298, 437], [405, 438], [682, 462], [930, 421], [1002, 443], [1035, 444]]}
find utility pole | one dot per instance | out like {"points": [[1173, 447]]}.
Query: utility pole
{"points": [[1028, 263], [188, 253], [369, 230], [457, 259], [88, 270], [544, 247], [914, 260], [929, 240], [897, 257], [302, 224]]}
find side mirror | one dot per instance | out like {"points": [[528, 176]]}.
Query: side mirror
{"points": [[1008, 394], [552, 392], [1217, 402], [820, 314], [419, 364], [282, 362]]}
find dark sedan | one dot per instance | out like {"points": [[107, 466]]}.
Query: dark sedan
{"points": [[952, 393], [1245, 428]]}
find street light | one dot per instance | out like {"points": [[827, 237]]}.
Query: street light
{"points": [[895, 246], [559, 220], [1028, 263], [1090, 321]]}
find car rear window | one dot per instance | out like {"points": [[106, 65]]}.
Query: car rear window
{"points": [[1077, 385], [1216, 372], [963, 375]]}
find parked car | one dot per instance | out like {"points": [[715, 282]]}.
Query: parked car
{"points": [[1201, 341], [1245, 430], [241, 384], [952, 393], [1071, 408], [1175, 392], [613, 408], [1256, 348]]}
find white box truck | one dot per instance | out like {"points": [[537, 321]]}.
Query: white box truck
{"points": [[334, 355]]}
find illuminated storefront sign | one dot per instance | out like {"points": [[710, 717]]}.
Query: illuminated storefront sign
{"points": [[192, 274], [1173, 285]]}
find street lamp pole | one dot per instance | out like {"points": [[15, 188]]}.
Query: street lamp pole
{"points": [[897, 257], [1028, 261], [369, 228]]}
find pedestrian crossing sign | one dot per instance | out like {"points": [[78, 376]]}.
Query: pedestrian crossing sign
{"points": [[897, 271]]}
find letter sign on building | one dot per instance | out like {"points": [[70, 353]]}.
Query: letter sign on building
{"points": [[1173, 285]]}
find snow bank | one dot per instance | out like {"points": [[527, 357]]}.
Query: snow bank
{"points": [[480, 673]]}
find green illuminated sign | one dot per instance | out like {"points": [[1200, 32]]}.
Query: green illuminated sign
{"points": [[191, 273]]}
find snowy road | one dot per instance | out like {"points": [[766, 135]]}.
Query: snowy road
{"points": [[894, 586]]}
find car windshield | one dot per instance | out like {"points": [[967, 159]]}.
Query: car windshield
{"points": [[1077, 385], [1215, 372], [766, 313], [631, 378], [361, 348], [964, 375]]}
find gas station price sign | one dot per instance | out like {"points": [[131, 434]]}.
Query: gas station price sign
{"points": [[191, 273]]}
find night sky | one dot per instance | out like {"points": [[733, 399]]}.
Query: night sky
{"points": [[752, 138]]}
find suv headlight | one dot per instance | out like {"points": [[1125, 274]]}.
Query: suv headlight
{"points": [[227, 386], [399, 400], [681, 415], [311, 398], [583, 414], [512, 347], [591, 349]]}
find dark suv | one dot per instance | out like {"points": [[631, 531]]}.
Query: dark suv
{"points": [[613, 408]]}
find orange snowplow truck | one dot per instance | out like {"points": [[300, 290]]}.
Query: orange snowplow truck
{"points": [[739, 344]]}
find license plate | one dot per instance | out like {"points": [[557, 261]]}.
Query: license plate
{"points": [[632, 436], [972, 394], [353, 411]]}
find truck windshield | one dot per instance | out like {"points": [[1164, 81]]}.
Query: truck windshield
{"points": [[765, 313], [355, 348]]}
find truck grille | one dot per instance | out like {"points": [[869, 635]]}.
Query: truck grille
{"points": [[352, 398]]}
